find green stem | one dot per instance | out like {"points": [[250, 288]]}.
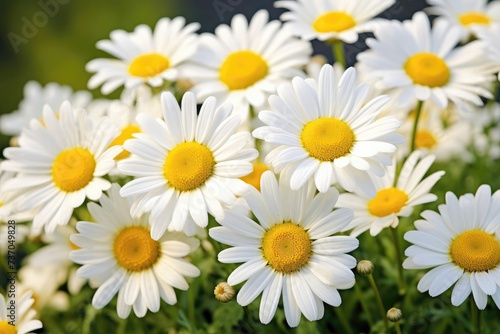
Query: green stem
{"points": [[380, 305], [362, 301], [399, 258], [343, 320], [191, 307], [476, 316], [415, 126], [398, 329], [338, 52]]}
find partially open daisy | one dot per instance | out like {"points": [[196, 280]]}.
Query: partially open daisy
{"points": [[23, 321], [462, 245], [186, 165], [329, 132], [490, 36], [119, 255], [392, 200], [411, 62], [144, 56], [466, 14], [35, 98], [290, 250], [60, 163], [332, 19], [244, 63]]}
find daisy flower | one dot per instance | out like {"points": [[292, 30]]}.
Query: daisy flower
{"points": [[412, 61], [243, 64], [332, 19], [144, 56], [35, 98], [466, 14], [328, 132], [289, 250], [119, 255], [383, 210], [462, 245], [55, 254], [23, 321], [60, 163], [186, 165], [490, 37], [433, 137]]}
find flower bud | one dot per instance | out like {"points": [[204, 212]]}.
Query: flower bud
{"points": [[394, 314], [224, 292], [365, 267]]}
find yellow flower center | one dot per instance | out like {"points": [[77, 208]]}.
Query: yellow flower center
{"points": [[387, 201], [427, 69], [188, 166], [475, 251], [334, 21], [135, 250], [253, 178], [6, 328], [148, 65], [73, 169], [126, 134], [425, 139], [286, 247], [242, 69], [1, 204], [470, 18], [327, 139]]}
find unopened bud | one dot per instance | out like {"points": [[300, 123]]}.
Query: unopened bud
{"points": [[365, 267], [394, 314], [224, 292]]}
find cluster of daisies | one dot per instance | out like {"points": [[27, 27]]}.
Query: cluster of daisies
{"points": [[287, 159]]}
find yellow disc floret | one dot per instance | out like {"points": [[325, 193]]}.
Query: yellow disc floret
{"points": [[387, 201], [334, 21], [475, 251], [242, 69], [188, 166], [425, 139], [148, 65], [135, 250], [470, 18], [427, 69], [73, 169], [127, 133], [253, 178], [286, 247], [6, 328], [327, 138]]}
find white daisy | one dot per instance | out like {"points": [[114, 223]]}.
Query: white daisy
{"points": [[22, 321], [332, 19], [60, 163], [392, 200], [433, 137], [329, 132], [412, 61], [466, 14], [55, 254], [289, 251], [118, 253], [490, 36], [462, 245], [187, 164], [35, 98], [244, 63], [144, 56]]}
